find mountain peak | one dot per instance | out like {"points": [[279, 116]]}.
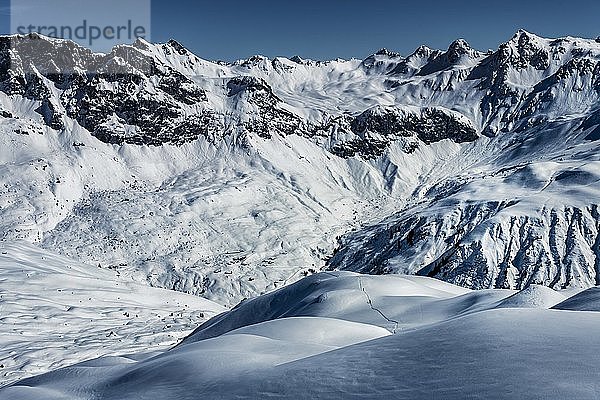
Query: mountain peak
{"points": [[141, 44], [523, 32], [459, 48], [523, 37], [459, 45], [524, 49], [297, 59], [422, 51], [385, 52]]}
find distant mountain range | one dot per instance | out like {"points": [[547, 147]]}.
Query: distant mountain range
{"points": [[231, 179]]}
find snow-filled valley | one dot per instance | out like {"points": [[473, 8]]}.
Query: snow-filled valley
{"points": [[367, 226]]}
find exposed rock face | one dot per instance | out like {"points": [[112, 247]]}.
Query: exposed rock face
{"points": [[428, 124], [123, 97], [264, 116], [458, 49], [377, 127], [368, 148], [457, 52], [554, 246], [523, 51], [136, 95], [123, 108], [547, 232], [480, 247], [542, 64]]}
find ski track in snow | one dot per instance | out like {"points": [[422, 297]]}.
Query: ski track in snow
{"points": [[370, 302], [451, 342]]}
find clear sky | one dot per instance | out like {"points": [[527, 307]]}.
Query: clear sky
{"points": [[326, 29]]}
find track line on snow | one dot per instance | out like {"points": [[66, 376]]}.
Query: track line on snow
{"points": [[370, 303]]}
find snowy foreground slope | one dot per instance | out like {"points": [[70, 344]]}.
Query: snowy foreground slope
{"points": [[345, 335], [228, 180], [55, 311]]}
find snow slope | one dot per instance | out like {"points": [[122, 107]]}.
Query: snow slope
{"points": [[55, 311], [325, 337], [587, 300]]}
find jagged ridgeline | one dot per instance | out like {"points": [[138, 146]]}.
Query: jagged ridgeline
{"points": [[125, 96], [480, 168], [134, 95]]}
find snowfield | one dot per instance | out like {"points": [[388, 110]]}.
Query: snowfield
{"points": [[346, 335], [56, 311]]}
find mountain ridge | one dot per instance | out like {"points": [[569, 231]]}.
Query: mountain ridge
{"points": [[477, 168]]}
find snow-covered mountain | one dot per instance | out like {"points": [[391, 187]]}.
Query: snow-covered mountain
{"points": [[231, 179], [149, 166]]}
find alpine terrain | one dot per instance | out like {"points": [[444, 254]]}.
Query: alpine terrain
{"points": [[378, 224]]}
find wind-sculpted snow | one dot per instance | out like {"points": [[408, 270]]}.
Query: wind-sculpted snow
{"points": [[329, 336], [228, 180], [588, 300]]}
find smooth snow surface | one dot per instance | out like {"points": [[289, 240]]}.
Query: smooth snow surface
{"points": [[331, 336], [534, 296], [588, 300]]}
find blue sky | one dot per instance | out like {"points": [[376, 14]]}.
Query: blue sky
{"points": [[335, 28], [324, 29]]}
